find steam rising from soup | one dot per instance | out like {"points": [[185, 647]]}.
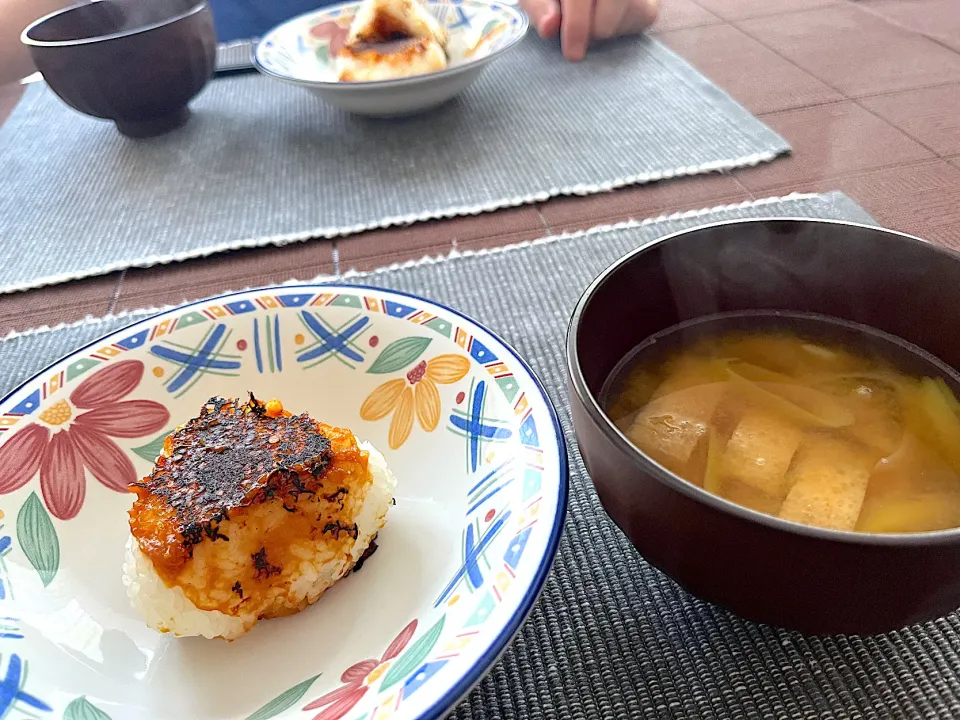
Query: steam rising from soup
{"points": [[824, 433]]}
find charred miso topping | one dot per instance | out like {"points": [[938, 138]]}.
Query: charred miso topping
{"points": [[337, 527], [385, 28], [262, 565], [387, 47], [235, 455], [371, 549], [337, 496]]}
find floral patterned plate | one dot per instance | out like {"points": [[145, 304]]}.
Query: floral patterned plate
{"points": [[302, 50], [480, 504]]}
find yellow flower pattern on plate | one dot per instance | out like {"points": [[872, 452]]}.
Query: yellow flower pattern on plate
{"points": [[416, 394]]}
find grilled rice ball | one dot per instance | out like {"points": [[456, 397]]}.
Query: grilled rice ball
{"points": [[390, 39], [390, 61], [250, 512]]}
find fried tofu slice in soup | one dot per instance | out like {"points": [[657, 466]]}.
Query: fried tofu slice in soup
{"points": [[828, 483], [760, 450], [671, 427]]}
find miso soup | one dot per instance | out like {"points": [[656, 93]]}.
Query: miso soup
{"points": [[806, 418]]}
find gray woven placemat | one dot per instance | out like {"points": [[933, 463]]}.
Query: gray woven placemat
{"points": [[262, 162], [611, 637]]}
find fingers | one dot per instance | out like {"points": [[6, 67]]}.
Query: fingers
{"points": [[550, 25], [578, 21], [639, 16], [544, 15], [582, 20], [608, 17], [575, 27]]}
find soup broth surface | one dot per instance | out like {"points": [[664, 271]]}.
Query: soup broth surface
{"points": [[805, 428]]}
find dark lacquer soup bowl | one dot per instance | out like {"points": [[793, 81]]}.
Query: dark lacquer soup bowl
{"points": [[135, 62], [760, 566]]}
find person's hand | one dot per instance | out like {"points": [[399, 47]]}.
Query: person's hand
{"points": [[579, 21], [15, 15]]}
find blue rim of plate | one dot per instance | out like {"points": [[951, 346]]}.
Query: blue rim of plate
{"points": [[521, 17], [481, 667]]}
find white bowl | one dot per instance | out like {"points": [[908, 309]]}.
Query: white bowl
{"points": [[480, 503], [301, 52]]}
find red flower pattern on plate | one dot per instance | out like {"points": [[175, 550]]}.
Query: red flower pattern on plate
{"points": [[63, 442], [332, 32], [357, 680]]}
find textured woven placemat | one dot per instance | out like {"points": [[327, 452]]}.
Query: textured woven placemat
{"points": [[611, 637], [262, 162]]}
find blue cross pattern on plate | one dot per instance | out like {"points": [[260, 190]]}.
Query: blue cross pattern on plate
{"points": [[476, 427], [333, 342], [193, 363], [10, 688]]}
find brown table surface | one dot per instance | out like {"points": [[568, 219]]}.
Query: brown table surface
{"points": [[867, 92]]}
